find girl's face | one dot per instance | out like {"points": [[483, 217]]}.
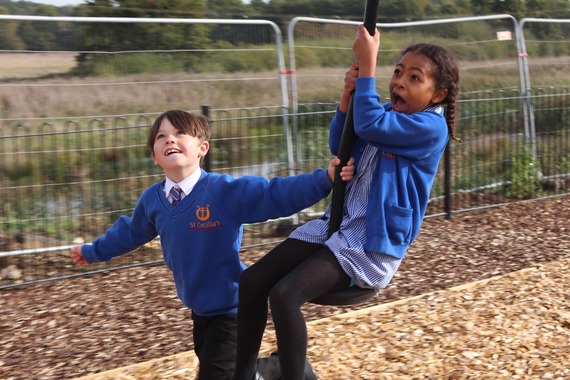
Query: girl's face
{"points": [[413, 84], [176, 152]]}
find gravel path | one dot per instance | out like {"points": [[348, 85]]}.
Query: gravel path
{"points": [[511, 327]]}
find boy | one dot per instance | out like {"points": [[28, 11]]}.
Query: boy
{"points": [[199, 217]]}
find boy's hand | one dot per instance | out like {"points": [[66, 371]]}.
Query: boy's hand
{"points": [[77, 256], [346, 173]]}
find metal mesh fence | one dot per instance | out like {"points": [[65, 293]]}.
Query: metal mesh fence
{"points": [[93, 66], [72, 148], [63, 185], [77, 98], [490, 104], [546, 51]]}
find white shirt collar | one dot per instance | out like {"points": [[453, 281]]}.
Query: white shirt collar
{"points": [[435, 109], [187, 184]]}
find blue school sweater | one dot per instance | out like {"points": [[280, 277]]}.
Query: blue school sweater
{"points": [[201, 235], [411, 147]]}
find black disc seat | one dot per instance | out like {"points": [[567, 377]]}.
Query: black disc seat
{"points": [[349, 296]]}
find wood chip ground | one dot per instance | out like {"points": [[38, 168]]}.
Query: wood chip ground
{"points": [[482, 296]]}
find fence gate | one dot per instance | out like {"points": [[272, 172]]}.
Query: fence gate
{"points": [[77, 98]]}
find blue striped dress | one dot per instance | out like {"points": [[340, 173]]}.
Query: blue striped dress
{"points": [[367, 269]]}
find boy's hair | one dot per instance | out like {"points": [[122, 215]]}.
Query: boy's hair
{"points": [[447, 77], [193, 125]]}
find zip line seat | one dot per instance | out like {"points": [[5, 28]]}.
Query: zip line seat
{"points": [[349, 296]]}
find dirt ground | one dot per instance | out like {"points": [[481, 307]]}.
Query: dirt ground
{"points": [[510, 327]]}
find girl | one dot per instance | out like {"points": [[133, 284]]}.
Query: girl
{"points": [[397, 149]]}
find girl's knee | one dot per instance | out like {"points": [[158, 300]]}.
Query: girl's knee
{"points": [[282, 296], [247, 279], [277, 293]]}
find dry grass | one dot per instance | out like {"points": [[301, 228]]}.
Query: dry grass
{"points": [[134, 94], [153, 93], [29, 65]]}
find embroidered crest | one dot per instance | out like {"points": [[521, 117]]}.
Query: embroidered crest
{"points": [[203, 213]]}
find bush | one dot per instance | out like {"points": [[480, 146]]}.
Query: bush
{"points": [[524, 175]]}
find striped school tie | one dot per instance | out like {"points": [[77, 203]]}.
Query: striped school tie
{"points": [[176, 194]]}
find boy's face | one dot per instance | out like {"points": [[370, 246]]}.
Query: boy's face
{"points": [[413, 84], [176, 152]]}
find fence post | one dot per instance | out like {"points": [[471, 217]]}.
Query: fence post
{"points": [[447, 181], [207, 164]]}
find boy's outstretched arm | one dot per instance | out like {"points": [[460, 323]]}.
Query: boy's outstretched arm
{"points": [[346, 173]]}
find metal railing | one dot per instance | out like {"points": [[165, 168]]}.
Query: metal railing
{"points": [[65, 179]]}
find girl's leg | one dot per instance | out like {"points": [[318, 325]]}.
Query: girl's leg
{"points": [[316, 276], [254, 287]]}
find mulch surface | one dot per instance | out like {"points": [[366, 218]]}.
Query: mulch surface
{"points": [[511, 327]]}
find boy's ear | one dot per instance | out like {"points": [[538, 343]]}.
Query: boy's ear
{"points": [[204, 148], [439, 95]]}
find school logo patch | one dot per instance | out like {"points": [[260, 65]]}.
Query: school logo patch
{"points": [[203, 213], [204, 223]]}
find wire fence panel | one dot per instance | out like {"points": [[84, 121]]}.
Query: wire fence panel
{"points": [[320, 52], [489, 104], [77, 98], [62, 187], [72, 135], [78, 66], [547, 64]]}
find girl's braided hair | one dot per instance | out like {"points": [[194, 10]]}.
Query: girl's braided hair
{"points": [[447, 77]]}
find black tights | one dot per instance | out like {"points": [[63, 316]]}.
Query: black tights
{"points": [[291, 274]]}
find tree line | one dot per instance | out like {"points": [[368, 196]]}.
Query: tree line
{"points": [[51, 36], [390, 10]]}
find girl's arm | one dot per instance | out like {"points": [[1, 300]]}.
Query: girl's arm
{"points": [[349, 87], [365, 48]]}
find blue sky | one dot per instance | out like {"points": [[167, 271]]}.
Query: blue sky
{"points": [[59, 3]]}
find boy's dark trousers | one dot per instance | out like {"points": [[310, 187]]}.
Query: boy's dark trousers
{"points": [[215, 344]]}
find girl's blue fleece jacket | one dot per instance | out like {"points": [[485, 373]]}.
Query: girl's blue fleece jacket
{"points": [[411, 147], [201, 235]]}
